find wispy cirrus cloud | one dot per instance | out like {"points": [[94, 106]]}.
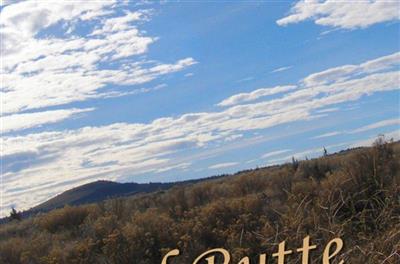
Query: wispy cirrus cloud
{"points": [[275, 153], [223, 165], [335, 79], [16, 122], [329, 134], [343, 14], [246, 79], [383, 123], [376, 125], [346, 72], [328, 110], [254, 95], [179, 166], [281, 69]]}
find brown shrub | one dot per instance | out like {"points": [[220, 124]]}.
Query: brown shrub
{"points": [[65, 218]]}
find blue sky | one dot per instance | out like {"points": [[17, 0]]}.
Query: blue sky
{"points": [[145, 91]]}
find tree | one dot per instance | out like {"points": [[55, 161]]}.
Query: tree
{"points": [[325, 152], [295, 163], [14, 215]]}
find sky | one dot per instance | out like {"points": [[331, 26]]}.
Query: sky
{"points": [[144, 91]]}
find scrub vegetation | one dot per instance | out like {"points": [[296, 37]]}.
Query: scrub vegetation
{"points": [[354, 195]]}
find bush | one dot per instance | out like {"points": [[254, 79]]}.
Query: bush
{"points": [[65, 218]]}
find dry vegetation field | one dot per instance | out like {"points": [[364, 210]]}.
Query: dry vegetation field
{"points": [[354, 195]]}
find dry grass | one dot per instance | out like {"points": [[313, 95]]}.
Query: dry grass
{"points": [[355, 196]]}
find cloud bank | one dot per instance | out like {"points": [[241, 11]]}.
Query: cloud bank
{"points": [[42, 69], [343, 14]]}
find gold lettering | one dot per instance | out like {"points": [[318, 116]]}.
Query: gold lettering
{"points": [[211, 260], [306, 250], [263, 259], [281, 253], [221, 255], [244, 260], [172, 253], [327, 256]]}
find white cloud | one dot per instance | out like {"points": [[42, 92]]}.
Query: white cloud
{"points": [[383, 123], [275, 153], [38, 72], [254, 95], [121, 23], [346, 72], [343, 14], [21, 21], [223, 165], [281, 69], [329, 134], [233, 137], [380, 124], [181, 166], [30, 120], [328, 110], [245, 79]]}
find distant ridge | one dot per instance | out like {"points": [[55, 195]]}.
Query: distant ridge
{"points": [[98, 191]]}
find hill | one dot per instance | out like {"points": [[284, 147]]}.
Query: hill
{"points": [[353, 195], [98, 191]]}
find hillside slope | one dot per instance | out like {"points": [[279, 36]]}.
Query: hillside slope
{"points": [[98, 191], [353, 195]]}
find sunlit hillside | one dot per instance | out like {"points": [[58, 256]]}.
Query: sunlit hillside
{"points": [[353, 195]]}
